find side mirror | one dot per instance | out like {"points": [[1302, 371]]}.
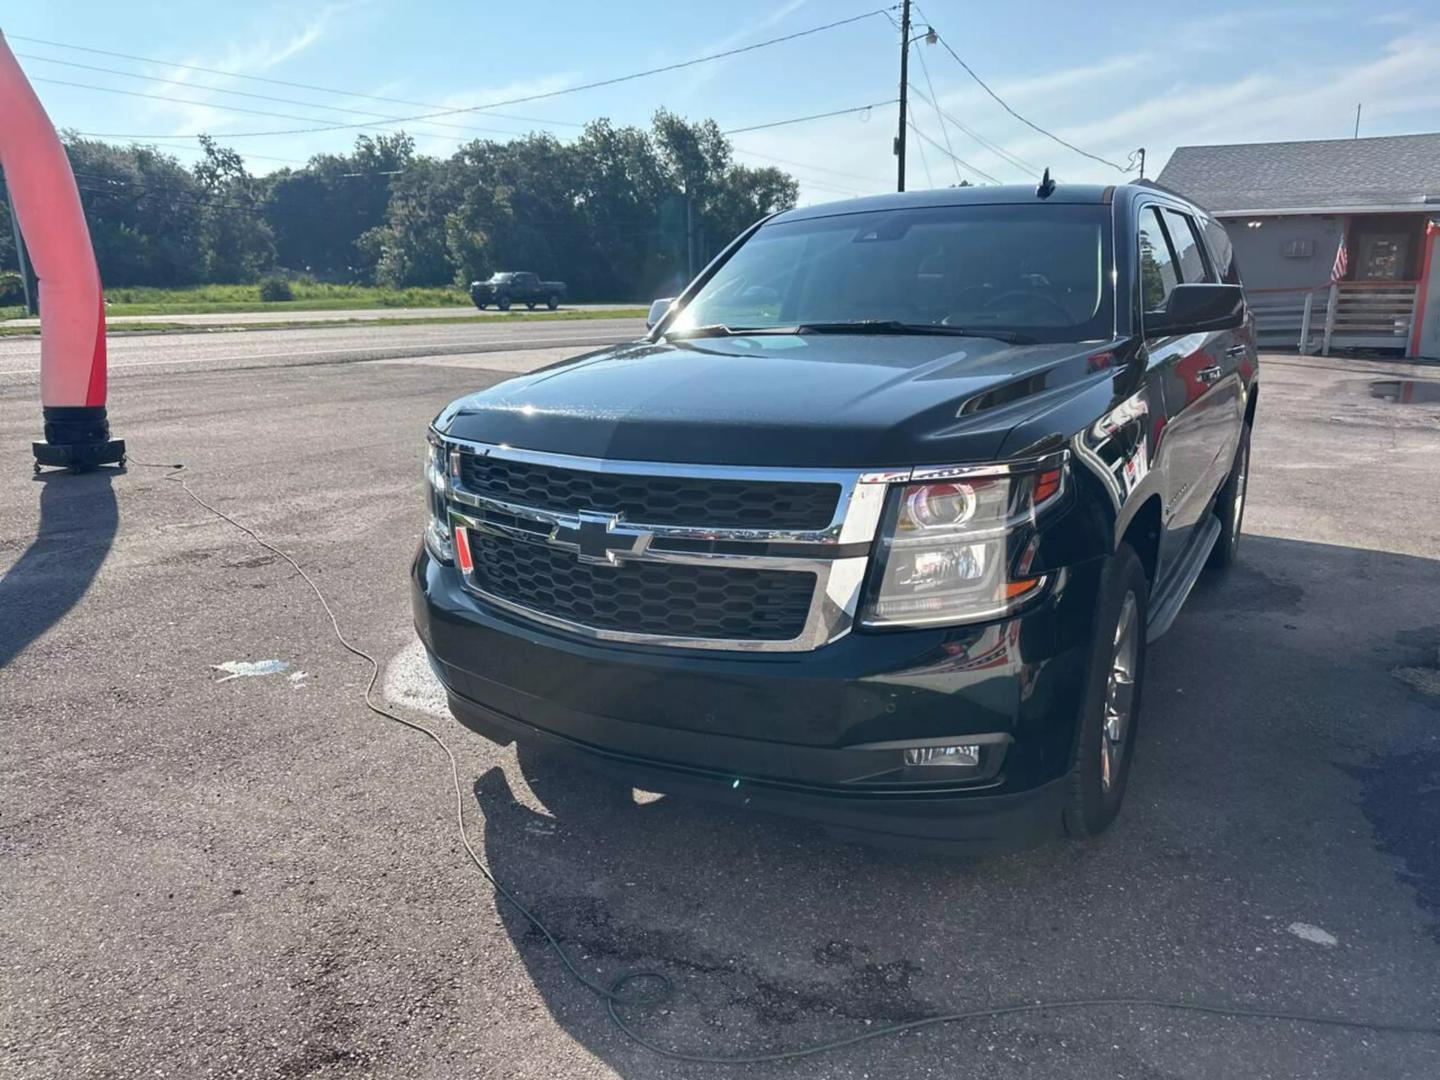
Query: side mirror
{"points": [[658, 308], [1193, 309]]}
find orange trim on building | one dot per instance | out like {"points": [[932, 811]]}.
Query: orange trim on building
{"points": [[1426, 259]]}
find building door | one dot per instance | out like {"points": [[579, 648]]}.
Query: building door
{"points": [[1382, 257]]}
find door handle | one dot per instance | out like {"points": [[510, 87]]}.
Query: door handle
{"points": [[1208, 374], [1235, 350]]}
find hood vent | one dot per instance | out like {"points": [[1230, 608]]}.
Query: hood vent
{"points": [[1004, 395]]}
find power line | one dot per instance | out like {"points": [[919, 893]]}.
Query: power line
{"points": [[812, 116], [829, 189], [821, 182], [255, 78], [265, 97], [802, 164], [1028, 123], [945, 131], [924, 161], [614, 80], [962, 161], [290, 116], [174, 146], [223, 136], [224, 108], [999, 151]]}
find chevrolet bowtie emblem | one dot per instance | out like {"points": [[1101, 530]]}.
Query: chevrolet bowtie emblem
{"points": [[600, 538]]}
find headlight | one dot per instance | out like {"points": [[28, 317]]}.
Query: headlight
{"points": [[957, 550], [437, 489]]}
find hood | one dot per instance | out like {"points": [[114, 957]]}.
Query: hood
{"points": [[810, 400]]}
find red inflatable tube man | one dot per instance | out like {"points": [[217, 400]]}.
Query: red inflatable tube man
{"points": [[72, 307]]}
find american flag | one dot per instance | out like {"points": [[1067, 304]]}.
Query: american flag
{"points": [[1342, 262]]}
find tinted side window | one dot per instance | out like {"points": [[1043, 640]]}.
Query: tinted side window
{"points": [[1158, 273], [1186, 245], [1222, 252]]}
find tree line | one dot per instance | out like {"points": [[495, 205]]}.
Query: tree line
{"points": [[619, 212]]}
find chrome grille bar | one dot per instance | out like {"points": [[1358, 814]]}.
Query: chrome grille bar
{"points": [[838, 573]]}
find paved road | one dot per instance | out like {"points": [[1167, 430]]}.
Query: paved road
{"points": [[149, 354], [240, 318], [256, 877]]}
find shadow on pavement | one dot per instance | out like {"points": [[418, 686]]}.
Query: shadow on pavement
{"points": [[1246, 813], [78, 520]]}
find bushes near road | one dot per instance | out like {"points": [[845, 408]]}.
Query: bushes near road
{"points": [[276, 289]]}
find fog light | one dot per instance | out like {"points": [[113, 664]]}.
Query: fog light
{"points": [[966, 755]]}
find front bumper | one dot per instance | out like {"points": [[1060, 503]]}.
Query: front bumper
{"points": [[795, 733]]}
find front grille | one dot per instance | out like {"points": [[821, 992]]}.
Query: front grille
{"points": [[654, 500], [669, 599]]}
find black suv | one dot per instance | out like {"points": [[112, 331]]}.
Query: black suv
{"points": [[875, 524]]}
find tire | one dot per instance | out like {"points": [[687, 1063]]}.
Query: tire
{"points": [[1105, 743], [1230, 506], [503, 303], [552, 301], [529, 305]]}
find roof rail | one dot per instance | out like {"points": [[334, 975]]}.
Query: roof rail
{"points": [[1153, 185]]}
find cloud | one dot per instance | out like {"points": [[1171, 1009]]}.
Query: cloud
{"points": [[1286, 104], [705, 72], [1042, 89], [256, 53], [1226, 29]]}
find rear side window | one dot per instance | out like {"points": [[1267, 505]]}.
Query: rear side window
{"points": [[1158, 271], [1222, 252], [1185, 242]]}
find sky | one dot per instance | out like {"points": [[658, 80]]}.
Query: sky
{"points": [[1107, 79]]}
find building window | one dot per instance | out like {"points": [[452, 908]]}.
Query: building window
{"points": [[1298, 249]]}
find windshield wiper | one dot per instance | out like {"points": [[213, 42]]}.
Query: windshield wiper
{"points": [[895, 326]]}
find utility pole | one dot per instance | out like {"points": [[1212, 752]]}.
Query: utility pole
{"points": [[689, 235], [1141, 152], [904, 90], [1357, 118], [20, 255]]}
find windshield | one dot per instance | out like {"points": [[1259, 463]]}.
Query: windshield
{"points": [[501, 278], [1032, 270]]}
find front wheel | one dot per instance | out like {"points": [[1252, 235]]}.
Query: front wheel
{"points": [[1230, 506], [480, 304], [1110, 712], [503, 303]]}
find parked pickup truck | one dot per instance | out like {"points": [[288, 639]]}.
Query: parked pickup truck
{"points": [[516, 287], [875, 524]]}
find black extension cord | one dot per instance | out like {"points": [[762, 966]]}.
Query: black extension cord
{"points": [[628, 990]]}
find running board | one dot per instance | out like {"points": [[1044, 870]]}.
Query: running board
{"points": [[1165, 607]]}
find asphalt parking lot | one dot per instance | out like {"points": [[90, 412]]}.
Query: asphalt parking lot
{"points": [[254, 876]]}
